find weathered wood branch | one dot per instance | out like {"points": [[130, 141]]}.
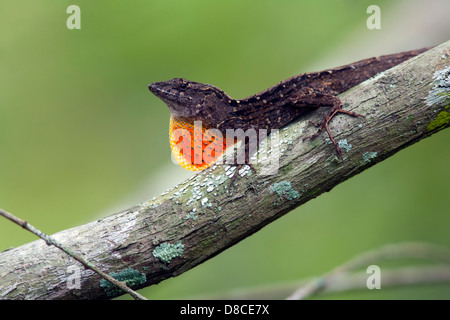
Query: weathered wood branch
{"points": [[203, 216]]}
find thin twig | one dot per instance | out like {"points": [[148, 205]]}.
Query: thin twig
{"points": [[403, 276], [51, 241], [397, 251]]}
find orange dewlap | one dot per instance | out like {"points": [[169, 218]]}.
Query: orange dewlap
{"points": [[194, 149]]}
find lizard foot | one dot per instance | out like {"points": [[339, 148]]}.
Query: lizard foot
{"points": [[238, 167], [324, 125]]}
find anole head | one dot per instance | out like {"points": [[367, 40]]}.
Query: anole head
{"points": [[193, 100], [189, 102]]}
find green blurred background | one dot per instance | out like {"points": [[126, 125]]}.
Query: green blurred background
{"points": [[81, 137]]}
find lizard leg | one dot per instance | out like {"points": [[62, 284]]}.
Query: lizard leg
{"points": [[310, 98], [236, 172]]}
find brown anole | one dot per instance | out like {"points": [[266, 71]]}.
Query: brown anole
{"points": [[273, 108]]}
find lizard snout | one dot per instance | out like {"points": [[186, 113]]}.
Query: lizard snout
{"points": [[153, 87]]}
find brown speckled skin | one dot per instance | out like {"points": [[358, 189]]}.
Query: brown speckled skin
{"points": [[275, 107]]}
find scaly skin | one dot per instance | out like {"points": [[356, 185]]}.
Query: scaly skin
{"points": [[273, 108]]}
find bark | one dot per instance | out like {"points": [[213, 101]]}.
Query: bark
{"points": [[199, 218]]}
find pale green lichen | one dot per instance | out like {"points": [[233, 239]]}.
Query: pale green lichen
{"points": [[203, 185], [441, 87], [442, 120], [131, 277], [205, 202], [284, 191], [369, 156], [343, 144], [192, 215], [167, 251], [440, 93]]}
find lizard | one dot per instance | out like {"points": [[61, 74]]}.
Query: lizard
{"points": [[273, 108]]}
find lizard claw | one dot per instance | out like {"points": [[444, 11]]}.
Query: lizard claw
{"points": [[324, 125], [236, 172], [315, 124], [320, 125]]}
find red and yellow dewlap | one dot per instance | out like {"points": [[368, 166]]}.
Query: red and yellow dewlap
{"points": [[194, 147]]}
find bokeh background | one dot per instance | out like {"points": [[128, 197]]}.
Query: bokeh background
{"points": [[81, 137]]}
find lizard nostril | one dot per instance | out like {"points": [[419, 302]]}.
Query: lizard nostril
{"points": [[154, 87]]}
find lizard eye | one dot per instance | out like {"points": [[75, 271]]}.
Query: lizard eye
{"points": [[183, 85]]}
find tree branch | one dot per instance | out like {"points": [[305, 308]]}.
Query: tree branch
{"points": [[201, 217], [396, 251], [348, 277], [52, 242], [391, 278]]}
